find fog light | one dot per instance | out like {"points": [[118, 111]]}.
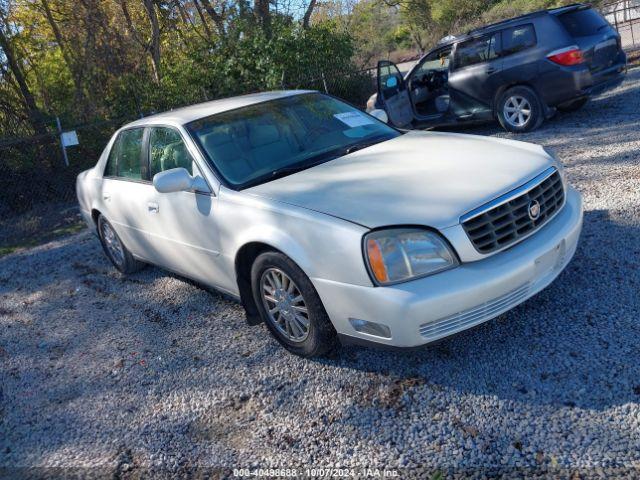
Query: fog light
{"points": [[370, 328]]}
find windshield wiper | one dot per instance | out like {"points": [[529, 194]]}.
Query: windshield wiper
{"points": [[361, 145], [278, 172], [319, 159]]}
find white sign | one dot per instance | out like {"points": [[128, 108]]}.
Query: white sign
{"points": [[69, 139], [354, 119]]}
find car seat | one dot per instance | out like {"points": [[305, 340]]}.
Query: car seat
{"points": [[268, 145], [227, 155]]}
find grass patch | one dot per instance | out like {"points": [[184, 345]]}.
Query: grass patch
{"points": [[43, 237], [39, 226]]}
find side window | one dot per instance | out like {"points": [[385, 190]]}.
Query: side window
{"points": [[110, 170], [129, 153], [518, 38], [435, 61], [167, 150], [390, 80], [476, 50]]}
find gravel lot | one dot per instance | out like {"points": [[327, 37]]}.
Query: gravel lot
{"points": [[152, 372]]}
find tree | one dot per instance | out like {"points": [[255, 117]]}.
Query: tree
{"points": [[15, 69]]}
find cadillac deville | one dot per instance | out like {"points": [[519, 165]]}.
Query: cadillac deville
{"points": [[327, 224]]}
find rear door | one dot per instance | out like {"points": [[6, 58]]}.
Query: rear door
{"points": [[475, 75], [126, 191], [598, 40], [520, 55], [394, 94]]}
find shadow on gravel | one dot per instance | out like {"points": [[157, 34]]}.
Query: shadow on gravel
{"points": [[569, 345]]}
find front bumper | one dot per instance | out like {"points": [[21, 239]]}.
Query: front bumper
{"points": [[427, 309]]}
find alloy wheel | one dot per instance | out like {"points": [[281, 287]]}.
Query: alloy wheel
{"points": [[517, 111], [284, 304], [112, 243]]}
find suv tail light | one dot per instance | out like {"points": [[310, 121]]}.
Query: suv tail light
{"points": [[567, 56]]}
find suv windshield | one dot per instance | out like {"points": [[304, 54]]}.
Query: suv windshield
{"points": [[582, 23], [258, 143]]}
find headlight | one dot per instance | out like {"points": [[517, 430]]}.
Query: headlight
{"points": [[399, 254]]}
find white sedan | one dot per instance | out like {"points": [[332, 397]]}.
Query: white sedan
{"points": [[327, 224]]}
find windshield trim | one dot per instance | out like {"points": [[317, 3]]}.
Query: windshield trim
{"points": [[260, 180]]}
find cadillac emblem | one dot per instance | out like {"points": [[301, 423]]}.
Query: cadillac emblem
{"points": [[534, 209]]}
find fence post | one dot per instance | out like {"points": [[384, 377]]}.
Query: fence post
{"points": [[64, 149], [324, 82]]}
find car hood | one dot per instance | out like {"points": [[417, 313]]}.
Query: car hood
{"points": [[419, 178]]}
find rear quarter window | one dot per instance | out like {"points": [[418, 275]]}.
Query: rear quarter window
{"points": [[582, 23], [518, 38]]}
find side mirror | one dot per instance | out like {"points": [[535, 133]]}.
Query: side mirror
{"points": [[380, 115], [178, 180]]}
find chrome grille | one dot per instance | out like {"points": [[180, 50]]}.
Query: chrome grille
{"points": [[507, 219], [474, 316]]}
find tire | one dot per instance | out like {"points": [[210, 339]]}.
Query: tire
{"points": [[573, 106], [320, 336], [520, 100], [111, 242]]}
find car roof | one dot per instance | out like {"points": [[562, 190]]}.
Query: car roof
{"points": [[184, 115], [526, 16]]}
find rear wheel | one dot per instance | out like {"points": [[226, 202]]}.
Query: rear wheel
{"points": [[115, 250], [573, 106], [519, 110], [290, 306]]}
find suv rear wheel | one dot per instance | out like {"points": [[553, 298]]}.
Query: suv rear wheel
{"points": [[519, 110]]}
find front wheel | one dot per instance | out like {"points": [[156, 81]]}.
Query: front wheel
{"points": [[290, 306], [519, 110]]}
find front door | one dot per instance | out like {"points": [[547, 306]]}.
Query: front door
{"points": [[429, 87], [183, 234], [394, 94], [475, 76]]}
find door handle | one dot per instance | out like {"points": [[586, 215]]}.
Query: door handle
{"points": [[152, 207], [106, 196], [491, 70]]}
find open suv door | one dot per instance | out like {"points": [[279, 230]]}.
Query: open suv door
{"points": [[393, 94]]}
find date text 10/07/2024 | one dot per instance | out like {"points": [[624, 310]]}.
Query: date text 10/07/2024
{"points": [[316, 472]]}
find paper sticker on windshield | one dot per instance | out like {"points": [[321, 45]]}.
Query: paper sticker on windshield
{"points": [[354, 119]]}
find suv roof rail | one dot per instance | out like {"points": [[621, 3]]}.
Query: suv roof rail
{"points": [[557, 10]]}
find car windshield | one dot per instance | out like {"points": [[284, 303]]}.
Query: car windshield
{"points": [[264, 141]]}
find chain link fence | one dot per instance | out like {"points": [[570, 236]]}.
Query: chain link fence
{"points": [[625, 17], [34, 170]]}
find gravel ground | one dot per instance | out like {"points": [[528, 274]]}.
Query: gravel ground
{"points": [[152, 372]]}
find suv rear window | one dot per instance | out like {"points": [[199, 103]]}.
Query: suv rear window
{"points": [[582, 23]]}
